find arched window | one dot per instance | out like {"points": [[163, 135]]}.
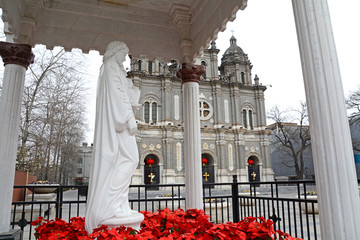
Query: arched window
{"points": [[150, 111], [154, 112], [244, 118], [150, 67], [139, 65], [250, 119], [242, 77], [146, 112], [204, 64]]}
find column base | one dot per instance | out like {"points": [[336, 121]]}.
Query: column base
{"points": [[133, 221], [13, 234]]}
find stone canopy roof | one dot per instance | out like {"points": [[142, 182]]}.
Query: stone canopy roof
{"points": [[168, 29]]}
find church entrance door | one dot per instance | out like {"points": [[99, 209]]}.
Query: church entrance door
{"points": [[152, 171], [253, 169], [208, 168]]}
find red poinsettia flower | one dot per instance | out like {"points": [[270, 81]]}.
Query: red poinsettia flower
{"points": [[163, 224]]}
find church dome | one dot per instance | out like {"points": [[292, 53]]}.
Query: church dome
{"points": [[234, 54], [233, 58], [234, 48]]}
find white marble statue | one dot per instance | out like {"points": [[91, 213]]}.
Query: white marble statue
{"points": [[115, 154]]}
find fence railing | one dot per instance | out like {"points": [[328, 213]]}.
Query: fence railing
{"points": [[286, 203]]}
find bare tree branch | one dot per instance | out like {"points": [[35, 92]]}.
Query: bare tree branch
{"points": [[291, 139], [353, 104], [53, 114]]}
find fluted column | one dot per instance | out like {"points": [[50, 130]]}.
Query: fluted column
{"points": [[17, 58], [190, 76], [339, 205]]}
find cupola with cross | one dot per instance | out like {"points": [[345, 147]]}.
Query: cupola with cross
{"points": [[235, 64]]}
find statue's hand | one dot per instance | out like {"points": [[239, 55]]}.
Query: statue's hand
{"points": [[132, 126]]}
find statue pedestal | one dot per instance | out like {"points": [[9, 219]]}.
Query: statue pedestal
{"points": [[132, 221]]}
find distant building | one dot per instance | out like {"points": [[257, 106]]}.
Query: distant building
{"points": [[283, 172], [83, 165], [232, 114]]}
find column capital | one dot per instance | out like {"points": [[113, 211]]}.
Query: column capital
{"points": [[190, 72], [14, 53]]}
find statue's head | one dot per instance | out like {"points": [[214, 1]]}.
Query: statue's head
{"points": [[114, 48]]}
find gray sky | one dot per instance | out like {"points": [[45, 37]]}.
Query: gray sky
{"points": [[265, 30]]}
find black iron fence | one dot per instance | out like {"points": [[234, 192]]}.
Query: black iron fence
{"points": [[292, 205]]}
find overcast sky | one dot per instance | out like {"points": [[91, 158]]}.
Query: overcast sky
{"points": [[265, 30]]}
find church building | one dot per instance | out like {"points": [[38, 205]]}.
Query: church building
{"points": [[234, 137]]}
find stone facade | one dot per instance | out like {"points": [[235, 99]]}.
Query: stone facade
{"points": [[232, 114]]}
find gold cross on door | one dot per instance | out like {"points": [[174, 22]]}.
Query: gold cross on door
{"points": [[206, 175], [151, 176], [253, 175]]}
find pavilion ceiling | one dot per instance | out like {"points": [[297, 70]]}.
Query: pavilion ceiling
{"points": [[170, 29]]}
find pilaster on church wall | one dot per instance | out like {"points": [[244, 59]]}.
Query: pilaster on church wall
{"points": [[235, 103], [169, 176], [217, 95], [137, 177], [224, 176], [214, 66], [265, 147], [248, 74]]}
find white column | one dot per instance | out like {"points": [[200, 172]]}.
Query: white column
{"points": [[10, 105], [192, 146], [339, 205], [190, 75], [16, 59]]}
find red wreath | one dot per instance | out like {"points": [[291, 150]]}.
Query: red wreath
{"points": [[150, 161]]}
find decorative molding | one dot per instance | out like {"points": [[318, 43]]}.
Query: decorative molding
{"points": [[14, 53], [167, 140], [230, 157], [178, 156], [166, 88], [221, 142], [241, 143], [176, 107], [181, 17], [190, 72], [152, 147]]}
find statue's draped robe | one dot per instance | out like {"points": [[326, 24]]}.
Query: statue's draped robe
{"points": [[115, 154]]}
